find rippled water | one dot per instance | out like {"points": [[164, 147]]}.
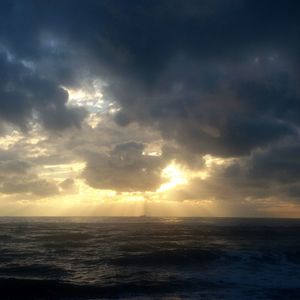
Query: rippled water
{"points": [[149, 258]]}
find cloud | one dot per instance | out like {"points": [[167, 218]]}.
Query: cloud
{"points": [[23, 185], [69, 186], [207, 77], [26, 96], [224, 88], [13, 167], [125, 168], [18, 177], [266, 174]]}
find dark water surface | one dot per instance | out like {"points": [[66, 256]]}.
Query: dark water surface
{"points": [[149, 258]]}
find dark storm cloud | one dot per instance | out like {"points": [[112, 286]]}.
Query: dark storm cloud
{"points": [[24, 94], [248, 105], [281, 163], [214, 77]]}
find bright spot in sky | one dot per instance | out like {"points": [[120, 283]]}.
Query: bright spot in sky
{"points": [[211, 161], [90, 99], [175, 177]]}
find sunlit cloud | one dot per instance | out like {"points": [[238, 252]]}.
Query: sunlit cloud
{"points": [[8, 140], [174, 176]]}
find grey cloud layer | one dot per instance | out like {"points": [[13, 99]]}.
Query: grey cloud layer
{"points": [[16, 177], [125, 168]]}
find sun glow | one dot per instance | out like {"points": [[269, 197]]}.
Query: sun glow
{"points": [[174, 175]]}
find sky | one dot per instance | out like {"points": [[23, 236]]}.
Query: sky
{"points": [[164, 108]]}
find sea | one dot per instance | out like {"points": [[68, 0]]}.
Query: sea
{"points": [[149, 258]]}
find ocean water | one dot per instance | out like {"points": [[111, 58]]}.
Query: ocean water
{"points": [[149, 258]]}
